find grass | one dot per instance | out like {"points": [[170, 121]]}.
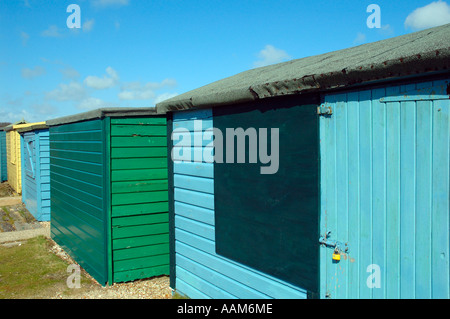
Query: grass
{"points": [[32, 271]]}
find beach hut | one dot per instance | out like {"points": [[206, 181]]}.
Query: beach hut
{"points": [[14, 159], [35, 161], [3, 166], [109, 192], [322, 177]]}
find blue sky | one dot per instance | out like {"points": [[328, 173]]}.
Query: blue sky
{"points": [[135, 53]]}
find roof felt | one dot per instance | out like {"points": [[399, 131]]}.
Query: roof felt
{"points": [[102, 113], [33, 127], [415, 53]]}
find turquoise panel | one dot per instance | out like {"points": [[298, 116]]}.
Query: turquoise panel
{"points": [[35, 157], [385, 192], [200, 272]]}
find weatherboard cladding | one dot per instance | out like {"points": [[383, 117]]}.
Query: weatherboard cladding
{"points": [[3, 158], [35, 156], [199, 271], [109, 194], [13, 150]]}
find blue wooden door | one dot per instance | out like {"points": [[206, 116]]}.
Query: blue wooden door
{"points": [[385, 192]]}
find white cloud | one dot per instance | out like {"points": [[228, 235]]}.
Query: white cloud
{"points": [[88, 25], [138, 91], [434, 14], [73, 91], [52, 32], [360, 38], [70, 73], [110, 3], [33, 73], [92, 103], [18, 115], [164, 96], [105, 82], [271, 55], [25, 37]]}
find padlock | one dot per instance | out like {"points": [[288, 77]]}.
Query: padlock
{"points": [[336, 255]]}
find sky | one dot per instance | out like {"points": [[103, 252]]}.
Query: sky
{"points": [[135, 53]]}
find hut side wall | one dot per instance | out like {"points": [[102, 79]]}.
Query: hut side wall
{"points": [[199, 271], [3, 158], [78, 208]]}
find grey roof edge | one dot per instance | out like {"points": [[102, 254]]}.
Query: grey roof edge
{"points": [[10, 126], [102, 113], [420, 53], [32, 128]]}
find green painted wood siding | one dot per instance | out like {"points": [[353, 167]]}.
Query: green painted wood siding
{"points": [[79, 217], [139, 198]]}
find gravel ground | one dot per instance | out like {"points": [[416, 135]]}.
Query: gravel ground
{"points": [[153, 288]]}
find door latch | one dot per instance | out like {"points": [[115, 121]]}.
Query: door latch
{"points": [[324, 110], [337, 245]]}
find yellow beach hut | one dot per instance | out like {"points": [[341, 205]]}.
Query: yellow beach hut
{"points": [[13, 154]]}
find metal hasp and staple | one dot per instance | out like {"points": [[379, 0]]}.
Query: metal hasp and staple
{"points": [[337, 245]]}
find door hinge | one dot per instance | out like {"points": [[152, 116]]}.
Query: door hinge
{"points": [[324, 110]]}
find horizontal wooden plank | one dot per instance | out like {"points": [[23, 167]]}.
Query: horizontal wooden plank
{"points": [[139, 209], [139, 198], [77, 127], [82, 206], [138, 141], [194, 169], [138, 152], [120, 276], [78, 136], [143, 262], [78, 156], [205, 185], [120, 243], [138, 130], [92, 168], [143, 251], [139, 174], [74, 174], [140, 220], [72, 190], [200, 214], [140, 230], [138, 163], [139, 121], [77, 146], [195, 227], [89, 188], [195, 198], [139, 186]]}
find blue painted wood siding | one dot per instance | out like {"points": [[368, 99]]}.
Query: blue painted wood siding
{"points": [[3, 159], [385, 190], [35, 157], [79, 214], [200, 272]]}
